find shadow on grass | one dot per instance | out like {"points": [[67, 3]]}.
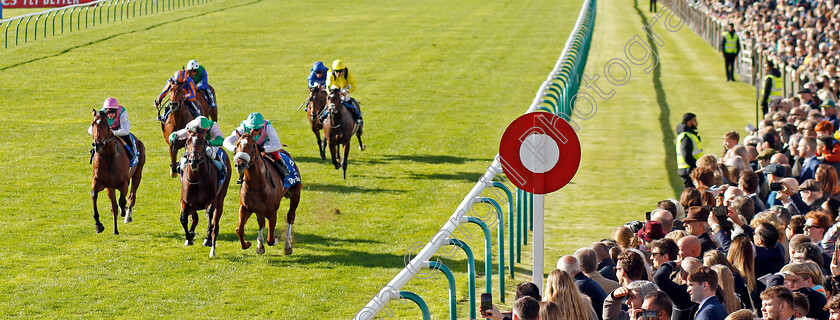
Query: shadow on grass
{"points": [[346, 189], [668, 132], [432, 159], [463, 176], [122, 34], [305, 159]]}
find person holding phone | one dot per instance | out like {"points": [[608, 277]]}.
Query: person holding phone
{"points": [[657, 306]]}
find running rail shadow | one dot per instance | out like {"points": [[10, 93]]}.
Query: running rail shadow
{"points": [[668, 132]]}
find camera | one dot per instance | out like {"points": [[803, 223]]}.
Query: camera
{"points": [[721, 213], [486, 302], [775, 186]]}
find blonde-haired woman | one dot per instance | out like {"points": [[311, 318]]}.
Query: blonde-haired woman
{"points": [[549, 311], [742, 256], [727, 283], [625, 238], [560, 288]]}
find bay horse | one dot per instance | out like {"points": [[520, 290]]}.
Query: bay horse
{"points": [[339, 128], [176, 119], [111, 170], [315, 105], [261, 193], [200, 190]]}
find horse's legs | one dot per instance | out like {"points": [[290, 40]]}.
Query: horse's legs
{"points": [[94, 194], [123, 188], [208, 239], [359, 136], [173, 152], [344, 160], [244, 214], [217, 215], [294, 200], [272, 223], [335, 157], [189, 234], [260, 240], [194, 218], [112, 195], [320, 146]]}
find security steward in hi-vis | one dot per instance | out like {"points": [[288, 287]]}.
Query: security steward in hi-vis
{"points": [[772, 92], [689, 147], [730, 45]]}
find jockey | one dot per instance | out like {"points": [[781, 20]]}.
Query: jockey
{"points": [[318, 75], [189, 91], [340, 77], [199, 77], [117, 118], [214, 138], [265, 136]]}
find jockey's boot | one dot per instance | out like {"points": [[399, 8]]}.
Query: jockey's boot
{"points": [[212, 98], [281, 167], [193, 108], [133, 153]]}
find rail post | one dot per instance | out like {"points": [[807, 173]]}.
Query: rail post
{"points": [[470, 271], [453, 315], [17, 28], [417, 300], [488, 252], [501, 227], [511, 235]]}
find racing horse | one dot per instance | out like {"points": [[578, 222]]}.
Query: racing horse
{"points": [[261, 193], [176, 118], [111, 170], [200, 190], [339, 128], [315, 105]]}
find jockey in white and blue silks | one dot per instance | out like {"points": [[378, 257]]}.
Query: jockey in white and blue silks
{"points": [[264, 135], [117, 118], [214, 137], [318, 75], [199, 76]]}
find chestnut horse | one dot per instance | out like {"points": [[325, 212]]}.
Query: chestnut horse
{"points": [[261, 193], [339, 128], [315, 105], [111, 170], [200, 190]]}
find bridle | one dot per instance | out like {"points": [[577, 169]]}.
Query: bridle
{"points": [[97, 143], [192, 154], [250, 163]]}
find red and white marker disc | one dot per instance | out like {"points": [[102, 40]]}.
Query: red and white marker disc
{"points": [[540, 152]]}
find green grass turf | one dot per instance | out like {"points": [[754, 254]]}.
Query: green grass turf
{"points": [[628, 162], [438, 82]]}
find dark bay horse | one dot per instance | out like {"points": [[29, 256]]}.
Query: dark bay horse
{"points": [[200, 190], [315, 105], [111, 170], [176, 119], [339, 128], [261, 193]]}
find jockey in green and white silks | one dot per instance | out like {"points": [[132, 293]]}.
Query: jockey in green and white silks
{"points": [[214, 137], [117, 118], [265, 136]]}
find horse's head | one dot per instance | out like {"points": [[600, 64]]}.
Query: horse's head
{"points": [[100, 130], [176, 94], [196, 146], [246, 152], [333, 101]]}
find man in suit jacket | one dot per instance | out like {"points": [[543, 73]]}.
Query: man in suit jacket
{"points": [[605, 263], [589, 265], [769, 255], [683, 307], [808, 152], [586, 286], [702, 283]]}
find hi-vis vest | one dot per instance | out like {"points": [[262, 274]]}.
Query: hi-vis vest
{"points": [[696, 153], [776, 90], [730, 44]]}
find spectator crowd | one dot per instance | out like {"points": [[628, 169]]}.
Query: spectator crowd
{"points": [[755, 232]]}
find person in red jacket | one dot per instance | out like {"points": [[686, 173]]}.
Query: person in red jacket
{"points": [[829, 152]]}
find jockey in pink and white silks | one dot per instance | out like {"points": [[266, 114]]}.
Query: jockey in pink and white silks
{"points": [[214, 137], [117, 118], [265, 136]]}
